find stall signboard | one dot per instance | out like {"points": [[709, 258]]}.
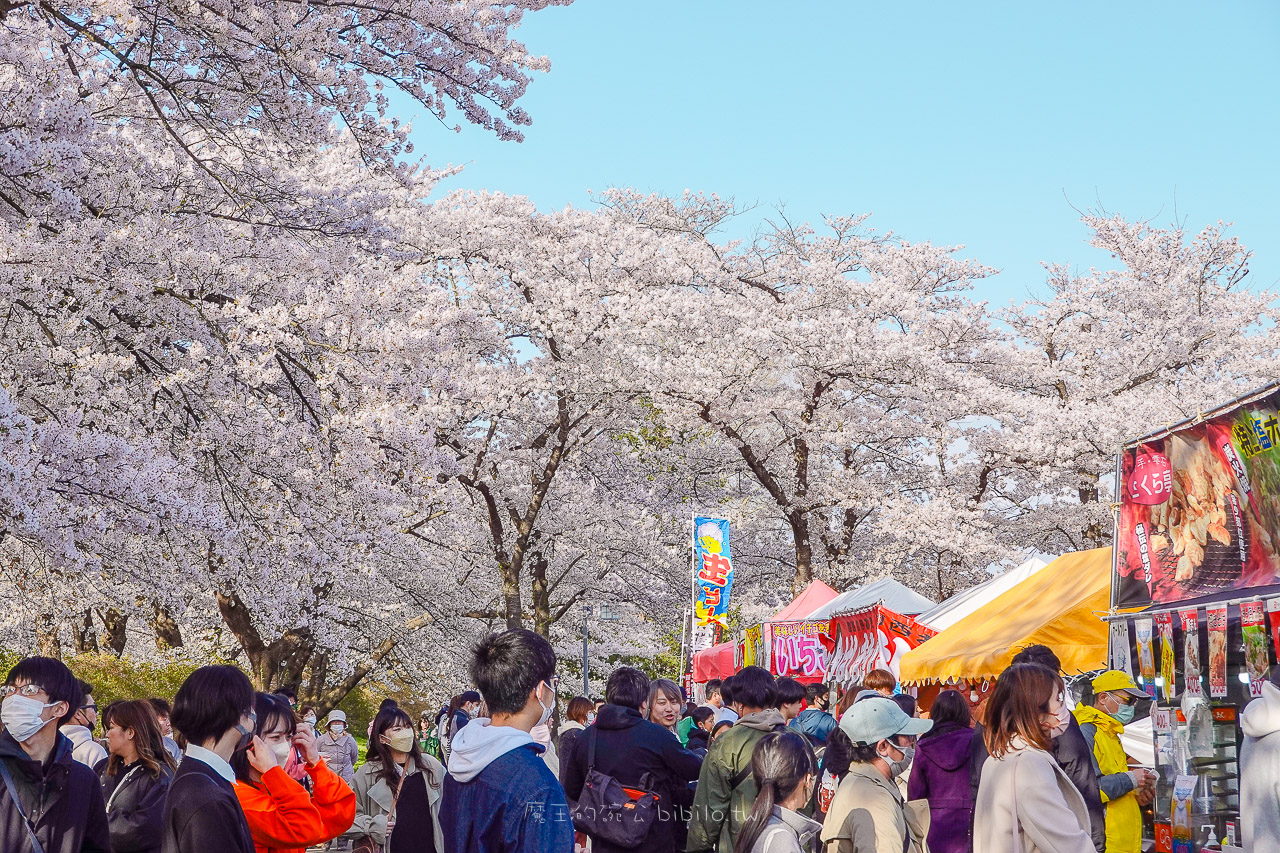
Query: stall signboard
{"points": [[1200, 508], [1256, 659], [1191, 651], [800, 649], [712, 578], [1217, 622], [872, 638]]}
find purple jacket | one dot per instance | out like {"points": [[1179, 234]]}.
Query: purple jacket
{"points": [[940, 774]]}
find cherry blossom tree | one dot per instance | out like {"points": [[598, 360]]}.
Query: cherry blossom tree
{"points": [[1108, 356]]}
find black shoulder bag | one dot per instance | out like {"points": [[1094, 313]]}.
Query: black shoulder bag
{"points": [[611, 812]]}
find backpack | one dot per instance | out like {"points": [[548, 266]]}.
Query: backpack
{"points": [[611, 812]]}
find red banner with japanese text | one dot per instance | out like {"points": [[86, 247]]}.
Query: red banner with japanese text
{"points": [[874, 638]]}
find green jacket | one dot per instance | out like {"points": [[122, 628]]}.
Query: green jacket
{"points": [[719, 807]]}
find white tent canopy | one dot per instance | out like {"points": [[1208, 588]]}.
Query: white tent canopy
{"points": [[962, 604], [886, 591]]}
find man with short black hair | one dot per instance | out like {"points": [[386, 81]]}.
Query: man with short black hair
{"points": [[712, 691], [815, 722], [728, 710], [726, 789], [288, 693], [790, 698], [868, 813], [499, 795], [46, 796], [214, 711], [79, 730], [636, 752]]}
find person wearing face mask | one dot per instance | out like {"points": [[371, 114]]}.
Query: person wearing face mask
{"points": [[80, 730], [213, 711], [283, 816], [398, 791], [163, 709], [46, 796], [785, 771], [499, 795], [637, 753], [1068, 748], [1025, 800], [868, 813], [1124, 791], [136, 778], [338, 748]]}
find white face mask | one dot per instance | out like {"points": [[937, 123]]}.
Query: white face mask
{"points": [[591, 717], [337, 728], [309, 720], [1061, 722], [21, 716], [281, 752], [546, 709]]}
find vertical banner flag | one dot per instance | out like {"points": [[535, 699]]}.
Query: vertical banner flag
{"points": [[1256, 659], [712, 578], [1164, 626], [1119, 639], [1217, 621], [1191, 650]]}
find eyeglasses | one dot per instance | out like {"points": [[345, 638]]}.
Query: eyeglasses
{"points": [[27, 690], [93, 708]]}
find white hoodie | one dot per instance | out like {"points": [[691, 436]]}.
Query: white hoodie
{"points": [[1260, 772], [479, 744]]}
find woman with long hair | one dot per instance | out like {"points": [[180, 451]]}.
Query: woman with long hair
{"points": [[1024, 796], [135, 777], [940, 774], [785, 771], [283, 816], [665, 703], [398, 791]]}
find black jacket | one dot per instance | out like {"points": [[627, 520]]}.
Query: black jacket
{"points": [[1073, 755], [699, 742], [137, 806], [61, 797], [568, 738], [639, 754], [202, 814]]}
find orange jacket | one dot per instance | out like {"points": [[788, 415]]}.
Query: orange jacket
{"points": [[284, 818]]}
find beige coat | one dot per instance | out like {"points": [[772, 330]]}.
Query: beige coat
{"points": [[1051, 814], [869, 815], [374, 799]]}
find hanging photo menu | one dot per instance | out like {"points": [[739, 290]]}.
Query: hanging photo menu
{"points": [[1216, 618], [1164, 625], [1256, 659], [1190, 651], [1146, 655], [1120, 659], [1273, 616]]}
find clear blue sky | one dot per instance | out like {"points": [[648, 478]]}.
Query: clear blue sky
{"points": [[979, 124]]}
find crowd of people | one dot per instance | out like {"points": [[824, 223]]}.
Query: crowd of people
{"points": [[764, 765]]}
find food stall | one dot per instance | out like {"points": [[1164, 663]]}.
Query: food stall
{"points": [[1057, 606], [1198, 555], [797, 642]]}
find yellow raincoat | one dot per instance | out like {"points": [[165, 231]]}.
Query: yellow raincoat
{"points": [[1124, 815]]}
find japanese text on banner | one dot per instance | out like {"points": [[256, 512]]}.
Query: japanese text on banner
{"points": [[713, 571]]}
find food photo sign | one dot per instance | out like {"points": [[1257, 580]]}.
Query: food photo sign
{"points": [[1200, 508]]}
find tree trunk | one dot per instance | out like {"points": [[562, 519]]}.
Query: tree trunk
{"points": [[799, 521], [168, 636], [84, 638], [541, 595], [47, 643], [114, 624]]}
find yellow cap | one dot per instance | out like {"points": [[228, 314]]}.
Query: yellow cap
{"points": [[1115, 681]]}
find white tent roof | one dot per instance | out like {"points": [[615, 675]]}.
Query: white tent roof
{"points": [[962, 604], [893, 595]]}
